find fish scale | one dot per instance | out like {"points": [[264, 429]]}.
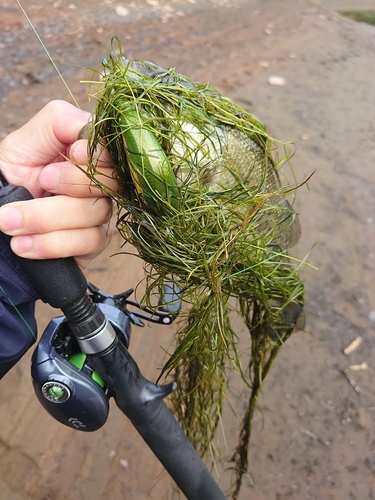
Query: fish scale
{"points": [[243, 155]]}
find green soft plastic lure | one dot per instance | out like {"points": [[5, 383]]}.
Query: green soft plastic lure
{"points": [[149, 167]]}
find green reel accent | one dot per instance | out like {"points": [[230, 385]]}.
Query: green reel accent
{"points": [[56, 392], [98, 379], [78, 360]]}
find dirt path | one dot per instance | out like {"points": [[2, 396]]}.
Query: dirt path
{"points": [[315, 438]]}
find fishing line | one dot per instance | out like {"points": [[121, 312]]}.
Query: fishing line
{"points": [[18, 312], [76, 103], [48, 54]]}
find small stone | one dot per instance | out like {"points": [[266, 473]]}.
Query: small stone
{"points": [[124, 463], [363, 418], [355, 368], [278, 81], [371, 315], [265, 64], [112, 453], [305, 137], [353, 346], [121, 11]]}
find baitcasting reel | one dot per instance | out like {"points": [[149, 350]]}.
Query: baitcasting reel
{"points": [[65, 382]]}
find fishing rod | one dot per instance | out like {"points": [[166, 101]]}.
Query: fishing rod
{"points": [[82, 360]]}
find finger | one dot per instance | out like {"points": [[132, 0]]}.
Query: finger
{"points": [[55, 213], [78, 154], [68, 179], [47, 134], [83, 244], [67, 120]]}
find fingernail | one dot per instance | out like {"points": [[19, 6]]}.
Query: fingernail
{"points": [[10, 218], [49, 177], [78, 152], [22, 244]]}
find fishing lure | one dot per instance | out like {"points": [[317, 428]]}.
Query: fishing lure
{"points": [[204, 206]]}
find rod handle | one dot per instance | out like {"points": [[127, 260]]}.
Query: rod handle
{"points": [[59, 282]]}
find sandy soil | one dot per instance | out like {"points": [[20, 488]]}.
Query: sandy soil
{"points": [[315, 438]]}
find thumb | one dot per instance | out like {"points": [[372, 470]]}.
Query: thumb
{"points": [[43, 138]]}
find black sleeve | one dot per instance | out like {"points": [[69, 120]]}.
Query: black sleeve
{"points": [[17, 302]]}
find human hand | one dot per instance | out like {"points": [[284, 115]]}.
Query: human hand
{"points": [[43, 156]]}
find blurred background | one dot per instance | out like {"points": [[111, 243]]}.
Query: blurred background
{"points": [[307, 71]]}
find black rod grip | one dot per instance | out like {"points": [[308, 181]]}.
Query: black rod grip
{"points": [[142, 402], [59, 282]]}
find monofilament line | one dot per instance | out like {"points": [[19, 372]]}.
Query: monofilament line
{"points": [[48, 54]]}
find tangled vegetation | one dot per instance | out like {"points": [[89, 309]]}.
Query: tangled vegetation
{"points": [[202, 203]]}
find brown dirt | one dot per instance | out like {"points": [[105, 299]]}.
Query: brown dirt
{"points": [[315, 437]]}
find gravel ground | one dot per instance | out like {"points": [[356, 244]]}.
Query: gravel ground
{"points": [[315, 436]]}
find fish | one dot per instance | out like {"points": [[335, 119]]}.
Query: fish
{"points": [[227, 157]]}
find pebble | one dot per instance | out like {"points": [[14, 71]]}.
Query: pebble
{"points": [[265, 64], [353, 346], [362, 418], [124, 463], [121, 11], [278, 81], [371, 315], [356, 368], [305, 137]]}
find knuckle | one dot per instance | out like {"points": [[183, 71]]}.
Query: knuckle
{"points": [[108, 233], [104, 209], [45, 246], [55, 106]]}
